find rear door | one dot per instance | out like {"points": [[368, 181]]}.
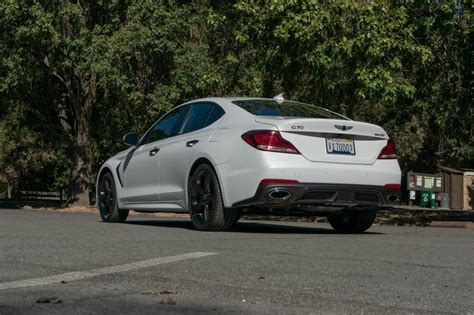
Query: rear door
{"points": [[176, 153]]}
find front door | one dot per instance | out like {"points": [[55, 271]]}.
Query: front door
{"points": [[141, 167], [141, 176]]}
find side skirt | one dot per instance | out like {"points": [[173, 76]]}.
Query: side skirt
{"points": [[176, 207]]}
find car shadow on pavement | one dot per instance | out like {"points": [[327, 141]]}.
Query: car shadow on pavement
{"points": [[244, 227]]}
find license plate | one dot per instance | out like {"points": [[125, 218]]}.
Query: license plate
{"points": [[340, 146]]}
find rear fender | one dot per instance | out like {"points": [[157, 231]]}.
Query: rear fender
{"points": [[197, 158]]}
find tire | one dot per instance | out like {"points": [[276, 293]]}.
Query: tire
{"points": [[206, 206], [107, 201], [352, 222], [237, 216]]}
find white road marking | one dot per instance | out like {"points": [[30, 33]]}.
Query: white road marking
{"points": [[78, 275]]}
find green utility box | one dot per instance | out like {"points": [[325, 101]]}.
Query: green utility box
{"points": [[427, 199]]}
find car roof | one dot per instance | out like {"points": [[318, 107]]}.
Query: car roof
{"points": [[236, 111], [228, 99], [226, 103]]}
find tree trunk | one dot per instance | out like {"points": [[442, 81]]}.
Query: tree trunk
{"points": [[9, 191], [79, 187]]}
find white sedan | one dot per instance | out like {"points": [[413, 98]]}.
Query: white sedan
{"points": [[218, 158]]}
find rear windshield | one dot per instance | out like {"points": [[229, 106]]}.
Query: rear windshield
{"points": [[286, 109]]}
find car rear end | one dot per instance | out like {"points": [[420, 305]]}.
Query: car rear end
{"points": [[312, 164]]}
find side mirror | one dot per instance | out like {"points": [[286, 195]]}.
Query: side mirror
{"points": [[131, 139]]}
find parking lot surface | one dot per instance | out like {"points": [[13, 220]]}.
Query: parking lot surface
{"points": [[73, 263]]}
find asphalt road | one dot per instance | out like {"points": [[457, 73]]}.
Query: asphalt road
{"points": [[152, 265]]}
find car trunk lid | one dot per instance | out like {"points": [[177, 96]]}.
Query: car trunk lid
{"points": [[330, 140]]}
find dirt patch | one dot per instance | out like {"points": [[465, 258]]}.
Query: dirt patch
{"points": [[159, 292], [168, 301], [49, 300]]}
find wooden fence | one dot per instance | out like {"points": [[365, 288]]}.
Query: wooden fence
{"points": [[38, 195]]}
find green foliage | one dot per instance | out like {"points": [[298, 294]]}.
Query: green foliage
{"points": [[406, 65], [26, 159], [76, 76]]}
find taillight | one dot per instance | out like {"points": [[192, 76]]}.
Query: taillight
{"points": [[389, 151], [269, 140]]}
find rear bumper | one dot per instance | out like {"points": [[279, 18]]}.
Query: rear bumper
{"points": [[324, 196]]}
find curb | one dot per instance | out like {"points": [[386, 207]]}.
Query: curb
{"points": [[453, 224]]}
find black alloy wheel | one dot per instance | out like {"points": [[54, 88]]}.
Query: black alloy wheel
{"points": [[107, 201], [206, 206]]}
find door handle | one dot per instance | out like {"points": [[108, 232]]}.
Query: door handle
{"points": [[190, 144], [154, 151]]}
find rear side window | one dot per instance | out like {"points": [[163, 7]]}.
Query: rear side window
{"points": [[217, 112], [197, 117], [286, 109], [201, 115], [168, 126]]}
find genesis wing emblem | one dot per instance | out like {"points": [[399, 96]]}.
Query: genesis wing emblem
{"points": [[343, 127]]}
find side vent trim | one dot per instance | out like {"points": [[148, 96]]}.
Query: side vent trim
{"points": [[118, 174]]}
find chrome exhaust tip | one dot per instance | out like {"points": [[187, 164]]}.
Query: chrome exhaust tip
{"points": [[393, 198], [279, 194]]}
